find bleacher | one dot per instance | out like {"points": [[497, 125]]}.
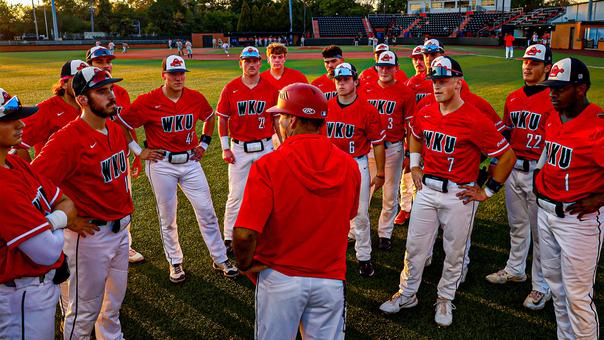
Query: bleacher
{"points": [[387, 20], [438, 24], [340, 26], [480, 21], [539, 16]]}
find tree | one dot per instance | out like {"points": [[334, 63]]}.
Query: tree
{"points": [[245, 20], [103, 16]]}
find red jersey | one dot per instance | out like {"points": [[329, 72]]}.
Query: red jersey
{"points": [[168, 125], [395, 104], [90, 167], [289, 76], [52, 115], [470, 98], [326, 85], [26, 198], [300, 199], [526, 116], [452, 144], [122, 98], [355, 127], [575, 160], [245, 109], [509, 40], [370, 76], [421, 86]]}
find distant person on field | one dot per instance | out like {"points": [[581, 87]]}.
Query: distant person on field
{"points": [[124, 47], [111, 47], [225, 48], [509, 46], [189, 48]]}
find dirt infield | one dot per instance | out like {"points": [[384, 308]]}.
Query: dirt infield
{"points": [[210, 54]]}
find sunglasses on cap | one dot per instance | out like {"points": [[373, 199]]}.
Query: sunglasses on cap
{"points": [[442, 71], [13, 110], [431, 49], [10, 106], [101, 52], [343, 72]]}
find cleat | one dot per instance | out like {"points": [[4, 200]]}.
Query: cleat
{"points": [[177, 274], [227, 268], [444, 312], [402, 217], [366, 269], [537, 300], [134, 256], [384, 243], [398, 302], [502, 277]]}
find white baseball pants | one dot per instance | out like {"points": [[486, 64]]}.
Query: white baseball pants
{"points": [[393, 172], [33, 302], [165, 178], [97, 284], [432, 209], [509, 52], [570, 250], [521, 206], [360, 225], [286, 303], [238, 173]]}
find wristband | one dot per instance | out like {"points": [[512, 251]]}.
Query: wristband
{"points": [[489, 192], [224, 142], [378, 176], [205, 142], [135, 148], [414, 159], [493, 185], [57, 219]]}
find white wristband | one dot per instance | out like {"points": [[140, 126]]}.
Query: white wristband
{"points": [[204, 146], [224, 142], [57, 219], [135, 148], [414, 159], [489, 192]]}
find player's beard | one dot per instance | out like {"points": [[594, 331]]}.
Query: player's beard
{"points": [[103, 112]]}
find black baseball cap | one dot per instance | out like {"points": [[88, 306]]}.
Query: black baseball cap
{"points": [[91, 78], [444, 67], [11, 108], [566, 72], [72, 67]]}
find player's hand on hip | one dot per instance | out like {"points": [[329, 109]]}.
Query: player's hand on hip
{"points": [[136, 167], [153, 155], [227, 156], [472, 193], [82, 226], [197, 154], [587, 205], [417, 174], [377, 182]]}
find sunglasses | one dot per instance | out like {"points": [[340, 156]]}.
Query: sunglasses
{"points": [[431, 49], [343, 72], [10, 106], [444, 71], [101, 53]]}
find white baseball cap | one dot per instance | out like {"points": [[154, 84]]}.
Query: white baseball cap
{"points": [[387, 58], [538, 52], [417, 51], [381, 48], [71, 67], [174, 63]]}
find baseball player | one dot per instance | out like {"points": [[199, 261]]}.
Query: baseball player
{"points": [[395, 103], [189, 48], [34, 214], [102, 58], [570, 196], [286, 237], [225, 48], [242, 118], [279, 75], [449, 136], [370, 75], [53, 113], [525, 114], [332, 57], [111, 47], [179, 48], [418, 83], [354, 126], [169, 115], [87, 159]]}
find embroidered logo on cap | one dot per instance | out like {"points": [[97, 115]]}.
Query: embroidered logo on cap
{"points": [[555, 70], [533, 51]]}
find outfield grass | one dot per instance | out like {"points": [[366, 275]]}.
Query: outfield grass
{"points": [[210, 306]]}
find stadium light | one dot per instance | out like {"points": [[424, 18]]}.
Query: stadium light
{"points": [[55, 31]]}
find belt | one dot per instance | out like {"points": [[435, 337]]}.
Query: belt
{"points": [[237, 141], [360, 157], [441, 184], [555, 207], [40, 279], [178, 157], [388, 144], [524, 165], [116, 226]]}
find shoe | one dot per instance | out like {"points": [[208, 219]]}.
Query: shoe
{"points": [[464, 274], [428, 261], [229, 246], [227, 268], [402, 217], [444, 312], [503, 277], [134, 256], [366, 269], [384, 243], [177, 274], [397, 302], [536, 300]]}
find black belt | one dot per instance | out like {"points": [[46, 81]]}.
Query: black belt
{"points": [[526, 165], [13, 284], [237, 141], [559, 205], [115, 226], [444, 181], [360, 157]]}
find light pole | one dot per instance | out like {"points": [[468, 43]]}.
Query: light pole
{"points": [[55, 31], [46, 23], [33, 7], [91, 15]]}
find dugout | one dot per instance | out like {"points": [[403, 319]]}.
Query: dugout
{"points": [[582, 35]]}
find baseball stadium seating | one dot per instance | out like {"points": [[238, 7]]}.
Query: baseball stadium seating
{"points": [[386, 20], [438, 24], [340, 26]]}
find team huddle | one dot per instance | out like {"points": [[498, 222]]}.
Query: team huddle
{"points": [[304, 161]]}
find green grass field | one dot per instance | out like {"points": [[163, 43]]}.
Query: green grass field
{"points": [[210, 306]]}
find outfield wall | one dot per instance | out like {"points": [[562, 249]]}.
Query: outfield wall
{"points": [[406, 41], [29, 46]]}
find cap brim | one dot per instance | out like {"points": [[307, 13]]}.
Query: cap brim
{"points": [[554, 83], [275, 109], [176, 70], [385, 64], [24, 112], [249, 57], [106, 82], [533, 58]]}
